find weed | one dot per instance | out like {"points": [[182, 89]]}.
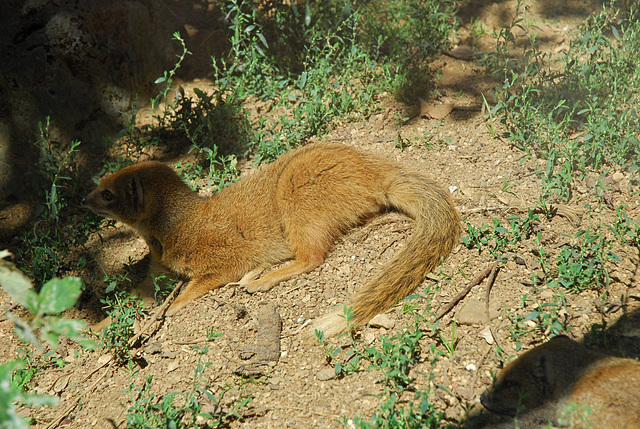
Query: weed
{"points": [[418, 413], [394, 358], [583, 265], [124, 310], [408, 34], [551, 317], [399, 121], [178, 409], [507, 186], [167, 80], [583, 117], [477, 238], [55, 296], [478, 29], [330, 353], [47, 245], [625, 230], [518, 327], [501, 239]]}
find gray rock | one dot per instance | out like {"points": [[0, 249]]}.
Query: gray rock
{"points": [[326, 374], [382, 321], [474, 313]]}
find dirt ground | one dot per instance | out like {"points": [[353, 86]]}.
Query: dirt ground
{"points": [[463, 155]]}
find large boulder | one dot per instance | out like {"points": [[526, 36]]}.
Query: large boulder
{"points": [[81, 62]]}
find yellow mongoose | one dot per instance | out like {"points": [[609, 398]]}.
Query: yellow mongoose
{"points": [[564, 382], [292, 209]]}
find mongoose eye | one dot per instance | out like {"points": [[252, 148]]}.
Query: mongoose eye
{"points": [[107, 195]]}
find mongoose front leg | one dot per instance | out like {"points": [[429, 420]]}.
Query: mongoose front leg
{"points": [[196, 288], [145, 290], [294, 268]]}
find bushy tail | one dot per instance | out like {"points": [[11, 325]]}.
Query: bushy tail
{"points": [[437, 230]]}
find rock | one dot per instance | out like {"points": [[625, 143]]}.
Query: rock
{"points": [[268, 333], [326, 374], [80, 62], [486, 334], [382, 321], [369, 338], [328, 293], [472, 313]]}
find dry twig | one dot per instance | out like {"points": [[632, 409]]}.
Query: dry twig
{"points": [[464, 293]]}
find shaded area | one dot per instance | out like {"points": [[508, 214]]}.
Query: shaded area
{"points": [[621, 340], [79, 62]]}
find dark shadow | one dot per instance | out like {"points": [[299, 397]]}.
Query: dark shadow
{"points": [[100, 264], [622, 339]]}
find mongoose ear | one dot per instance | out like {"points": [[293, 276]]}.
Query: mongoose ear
{"points": [[137, 194]]}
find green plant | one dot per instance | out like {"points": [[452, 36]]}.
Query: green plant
{"points": [[304, 63], [477, 237], [450, 343], [583, 117], [401, 404], [55, 296], [583, 265], [501, 239], [518, 327], [124, 310], [551, 317], [167, 80], [625, 230], [351, 363], [10, 395], [507, 186], [178, 410], [399, 121], [416, 414], [395, 358], [406, 35], [46, 247], [330, 353]]}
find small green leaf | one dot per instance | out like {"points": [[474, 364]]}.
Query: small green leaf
{"points": [[263, 40], [307, 15], [24, 331], [16, 284], [66, 327], [58, 295]]}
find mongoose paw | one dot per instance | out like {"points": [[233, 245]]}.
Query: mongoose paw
{"points": [[252, 287], [256, 286]]}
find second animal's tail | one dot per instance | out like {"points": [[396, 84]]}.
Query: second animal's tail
{"points": [[437, 229]]}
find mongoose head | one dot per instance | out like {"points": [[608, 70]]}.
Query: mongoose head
{"points": [[128, 194]]}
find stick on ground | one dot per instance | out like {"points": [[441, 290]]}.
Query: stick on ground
{"points": [[464, 293]]}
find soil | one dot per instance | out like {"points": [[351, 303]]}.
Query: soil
{"points": [[294, 392]]}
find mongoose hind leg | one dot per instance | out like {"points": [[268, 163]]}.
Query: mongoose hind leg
{"points": [[300, 265]]}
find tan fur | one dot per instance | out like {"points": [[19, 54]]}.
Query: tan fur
{"points": [[549, 381], [293, 209]]}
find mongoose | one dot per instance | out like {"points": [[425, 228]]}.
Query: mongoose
{"points": [[565, 383], [292, 209]]}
